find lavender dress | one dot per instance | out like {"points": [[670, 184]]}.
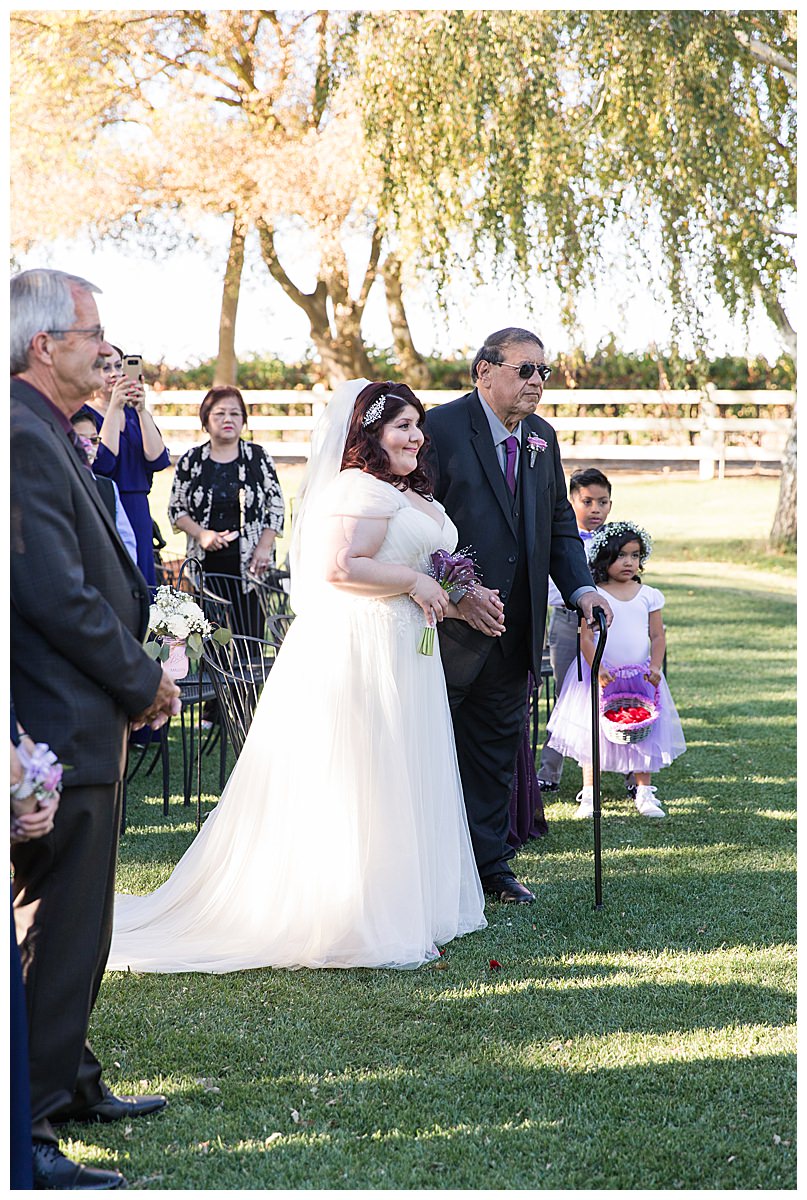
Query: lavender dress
{"points": [[627, 643]]}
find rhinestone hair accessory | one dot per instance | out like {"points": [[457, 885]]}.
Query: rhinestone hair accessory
{"points": [[373, 413], [616, 529]]}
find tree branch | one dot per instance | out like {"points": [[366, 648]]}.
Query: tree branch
{"points": [[312, 303], [322, 74], [777, 314], [372, 269], [766, 54]]}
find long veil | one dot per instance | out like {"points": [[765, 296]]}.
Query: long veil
{"points": [[327, 447]]}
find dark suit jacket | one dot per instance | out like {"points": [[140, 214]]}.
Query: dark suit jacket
{"points": [[106, 490], [79, 605], [469, 481]]}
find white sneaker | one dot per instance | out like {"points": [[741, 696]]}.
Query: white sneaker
{"points": [[585, 800], [646, 802]]}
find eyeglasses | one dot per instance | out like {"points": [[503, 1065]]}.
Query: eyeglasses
{"points": [[89, 441], [527, 370], [97, 332]]}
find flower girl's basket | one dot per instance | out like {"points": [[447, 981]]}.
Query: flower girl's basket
{"points": [[618, 694]]}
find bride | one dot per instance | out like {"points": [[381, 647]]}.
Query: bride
{"points": [[340, 839]]}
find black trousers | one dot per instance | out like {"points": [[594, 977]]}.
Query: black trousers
{"points": [[64, 890], [488, 699]]}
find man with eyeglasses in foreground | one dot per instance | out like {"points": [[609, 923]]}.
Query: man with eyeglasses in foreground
{"points": [[79, 676], [497, 469]]}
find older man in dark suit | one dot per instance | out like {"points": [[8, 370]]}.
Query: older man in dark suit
{"points": [[498, 472], [79, 613]]}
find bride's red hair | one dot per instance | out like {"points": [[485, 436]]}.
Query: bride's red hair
{"points": [[363, 450]]}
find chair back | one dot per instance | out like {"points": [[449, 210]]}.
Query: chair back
{"points": [[277, 626], [238, 672], [247, 613]]}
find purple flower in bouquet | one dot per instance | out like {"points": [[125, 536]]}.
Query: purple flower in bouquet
{"points": [[535, 445], [42, 767], [42, 778], [453, 572]]}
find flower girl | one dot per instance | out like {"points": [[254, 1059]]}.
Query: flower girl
{"points": [[617, 553]]}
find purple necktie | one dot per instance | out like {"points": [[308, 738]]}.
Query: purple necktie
{"points": [[79, 449], [511, 447]]}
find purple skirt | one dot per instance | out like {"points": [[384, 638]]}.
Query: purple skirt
{"points": [[527, 818]]}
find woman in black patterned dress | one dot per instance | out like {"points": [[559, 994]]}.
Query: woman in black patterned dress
{"points": [[226, 498]]}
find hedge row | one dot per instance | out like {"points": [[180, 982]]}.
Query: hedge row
{"points": [[609, 367]]}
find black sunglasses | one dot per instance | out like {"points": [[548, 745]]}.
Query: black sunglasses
{"points": [[527, 370]]}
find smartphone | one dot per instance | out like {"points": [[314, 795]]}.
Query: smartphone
{"points": [[133, 367]]}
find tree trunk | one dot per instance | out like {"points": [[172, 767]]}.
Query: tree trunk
{"points": [[413, 370], [784, 528], [226, 363], [336, 334], [342, 351]]}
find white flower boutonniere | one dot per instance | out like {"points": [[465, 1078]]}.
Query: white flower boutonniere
{"points": [[535, 445]]}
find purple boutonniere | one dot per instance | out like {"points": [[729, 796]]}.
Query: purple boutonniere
{"points": [[535, 445]]}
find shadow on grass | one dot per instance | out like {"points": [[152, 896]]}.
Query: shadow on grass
{"points": [[653, 1126]]}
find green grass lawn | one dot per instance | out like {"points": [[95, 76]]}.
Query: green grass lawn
{"points": [[650, 1045], [689, 519]]}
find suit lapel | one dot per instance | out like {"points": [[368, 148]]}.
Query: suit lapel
{"points": [[482, 443], [529, 483]]}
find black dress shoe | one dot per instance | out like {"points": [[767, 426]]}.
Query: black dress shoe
{"points": [[507, 889], [118, 1108], [55, 1172], [546, 785]]}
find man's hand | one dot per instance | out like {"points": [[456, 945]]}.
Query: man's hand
{"points": [[164, 705], [482, 609], [588, 602]]}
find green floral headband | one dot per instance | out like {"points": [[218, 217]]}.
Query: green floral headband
{"points": [[616, 529]]}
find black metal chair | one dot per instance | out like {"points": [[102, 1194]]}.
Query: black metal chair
{"points": [[277, 626], [247, 613], [237, 672], [273, 594], [225, 601]]}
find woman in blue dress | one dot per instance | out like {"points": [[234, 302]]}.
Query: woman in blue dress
{"points": [[130, 451]]}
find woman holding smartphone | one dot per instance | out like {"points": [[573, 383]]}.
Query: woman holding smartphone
{"points": [[226, 498], [130, 451]]}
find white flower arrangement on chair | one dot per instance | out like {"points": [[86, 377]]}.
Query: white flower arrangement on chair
{"points": [[176, 617]]}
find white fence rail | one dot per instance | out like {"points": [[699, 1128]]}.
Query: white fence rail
{"points": [[685, 426]]}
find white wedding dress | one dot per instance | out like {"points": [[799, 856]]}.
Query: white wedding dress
{"points": [[340, 839]]}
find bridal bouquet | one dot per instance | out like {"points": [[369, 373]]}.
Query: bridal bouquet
{"points": [[176, 617], [452, 572]]}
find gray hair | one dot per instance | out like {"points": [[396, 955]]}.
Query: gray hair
{"points": [[492, 351], [41, 300]]}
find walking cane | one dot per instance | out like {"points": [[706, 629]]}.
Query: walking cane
{"points": [[599, 616], [595, 750]]}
